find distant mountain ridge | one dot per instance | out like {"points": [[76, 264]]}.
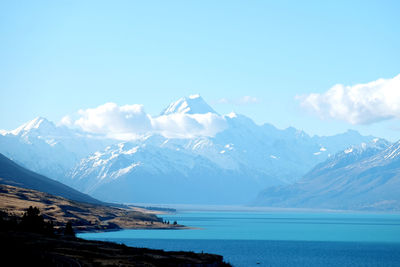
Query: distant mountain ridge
{"points": [[51, 150], [227, 168], [366, 177]]}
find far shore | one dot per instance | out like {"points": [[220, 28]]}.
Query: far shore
{"points": [[181, 208]]}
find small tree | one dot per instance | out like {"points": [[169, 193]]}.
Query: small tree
{"points": [[32, 220], [69, 231]]}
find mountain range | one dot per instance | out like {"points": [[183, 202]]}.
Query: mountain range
{"points": [[364, 177], [229, 166]]}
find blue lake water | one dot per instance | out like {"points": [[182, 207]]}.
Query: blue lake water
{"points": [[277, 238]]}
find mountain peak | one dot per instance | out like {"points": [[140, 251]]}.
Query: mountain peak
{"points": [[231, 115], [194, 104], [194, 96], [36, 123]]}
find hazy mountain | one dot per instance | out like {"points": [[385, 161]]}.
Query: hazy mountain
{"points": [[51, 150], [228, 167], [362, 177], [13, 174], [193, 104], [162, 170]]}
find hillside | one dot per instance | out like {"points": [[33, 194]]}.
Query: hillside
{"points": [[84, 216], [360, 178], [13, 174], [39, 250], [29, 240]]}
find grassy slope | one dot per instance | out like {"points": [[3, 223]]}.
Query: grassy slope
{"points": [[14, 174], [84, 216]]}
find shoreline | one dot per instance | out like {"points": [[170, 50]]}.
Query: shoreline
{"points": [[45, 245], [182, 227], [44, 250], [257, 208]]}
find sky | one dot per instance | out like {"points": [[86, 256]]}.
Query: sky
{"points": [[319, 66]]}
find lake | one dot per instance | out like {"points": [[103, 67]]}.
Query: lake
{"points": [[276, 238]]}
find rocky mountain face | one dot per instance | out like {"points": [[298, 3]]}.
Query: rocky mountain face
{"points": [[229, 167], [365, 177]]}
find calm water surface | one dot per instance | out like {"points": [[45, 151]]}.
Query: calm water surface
{"points": [[276, 238]]}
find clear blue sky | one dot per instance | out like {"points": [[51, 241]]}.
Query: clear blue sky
{"points": [[60, 56]]}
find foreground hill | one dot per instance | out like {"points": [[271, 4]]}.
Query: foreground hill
{"points": [[31, 241], [360, 178], [39, 250], [84, 216], [13, 174]]}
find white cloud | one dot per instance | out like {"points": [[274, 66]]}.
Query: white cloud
{"points": [[358, 104], [115, 121], [131, 121], [188, 125], [66, 120]]}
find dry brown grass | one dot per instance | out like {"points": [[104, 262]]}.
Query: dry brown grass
{"points": [[84, 216]]}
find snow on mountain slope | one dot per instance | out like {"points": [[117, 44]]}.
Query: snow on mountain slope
{"points": [[238, 162], [129, 172], [193, 104], [51, 150], [39, 125], [227, 159], [361, 177]]}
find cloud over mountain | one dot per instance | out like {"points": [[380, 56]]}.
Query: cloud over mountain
{"points": [[188, 125], [131, 121], [358, 104], [114, 120]]}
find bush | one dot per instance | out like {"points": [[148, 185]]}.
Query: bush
{"points": [[69, 231], [32, 221]]}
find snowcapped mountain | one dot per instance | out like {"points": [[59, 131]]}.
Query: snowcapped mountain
{"points": [[37, 127], [226, 165], [51, 150], [162, 172], [193, 104], [360, 177]]}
